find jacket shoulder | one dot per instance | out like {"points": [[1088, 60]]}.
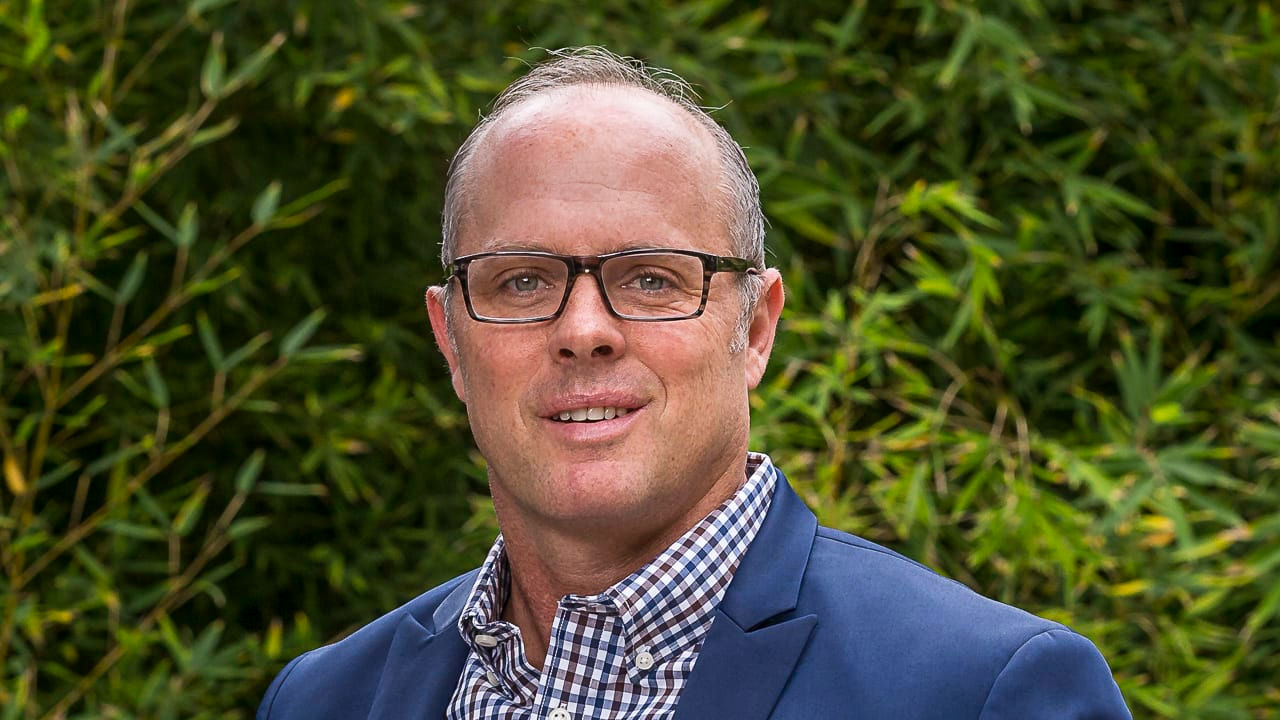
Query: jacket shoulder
{"points": [[341, 677], [905, 640], [860, 576]]}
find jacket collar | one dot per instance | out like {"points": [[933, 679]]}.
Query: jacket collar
{"points": [[424, 661], [767, 582], [755, 633]]}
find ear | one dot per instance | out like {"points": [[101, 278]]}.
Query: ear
{"points": [[764, 324], [440, 328]]}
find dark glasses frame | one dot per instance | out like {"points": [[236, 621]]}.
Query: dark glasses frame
{"points": [[590, 265]]}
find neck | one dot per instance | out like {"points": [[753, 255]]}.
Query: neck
{"points": [[547, 562]]}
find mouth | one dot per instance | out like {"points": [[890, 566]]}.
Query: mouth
{"points": [[590, 414]]}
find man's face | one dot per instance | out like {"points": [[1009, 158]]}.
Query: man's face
{"points": [[587, 172]]}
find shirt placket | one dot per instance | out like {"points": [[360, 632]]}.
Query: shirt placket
{"points": [[586, 637]]}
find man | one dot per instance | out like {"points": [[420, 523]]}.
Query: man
{"points": [[607, 313]]}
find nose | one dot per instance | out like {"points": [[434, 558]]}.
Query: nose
{"points": [[586, 329]]}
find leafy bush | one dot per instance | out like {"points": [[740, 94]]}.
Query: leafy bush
{"points": [[1031, 336]]}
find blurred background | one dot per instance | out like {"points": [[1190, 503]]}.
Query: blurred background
{"points": [[1031, 339]]}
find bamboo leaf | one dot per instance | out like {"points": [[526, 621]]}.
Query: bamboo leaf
{"points": [[188, 226], [209, 339], [158, 388], [251, 69], [264, 208], [249, 471], [190, 510], [132, 279], [242, 353], [301, 333], [215, 65]]}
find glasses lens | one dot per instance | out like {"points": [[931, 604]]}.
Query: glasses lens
{"points": [[654, 285], [516, 287]]}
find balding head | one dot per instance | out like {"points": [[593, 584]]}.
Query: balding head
{"points": [[736, 199], [587, 146]]}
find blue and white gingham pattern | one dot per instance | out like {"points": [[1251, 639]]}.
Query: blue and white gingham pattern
{"points": [[595, 663]]}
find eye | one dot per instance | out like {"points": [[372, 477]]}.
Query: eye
{"points": [[651, 282], [524, 283]]}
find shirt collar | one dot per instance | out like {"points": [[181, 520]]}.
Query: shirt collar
{"points": [[662, 601]]}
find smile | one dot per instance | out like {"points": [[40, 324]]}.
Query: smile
{"points": [[590, 414]]}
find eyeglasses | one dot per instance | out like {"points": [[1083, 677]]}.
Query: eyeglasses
{"points": [[647, 285]]}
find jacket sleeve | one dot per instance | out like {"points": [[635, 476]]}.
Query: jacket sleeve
{"points": [[1055, 674]]}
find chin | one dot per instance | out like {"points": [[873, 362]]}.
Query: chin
{"points": [[601, 494]]}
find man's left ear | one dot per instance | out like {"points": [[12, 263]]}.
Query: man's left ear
{"points": [[764, 324]]}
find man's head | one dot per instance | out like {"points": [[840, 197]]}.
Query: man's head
{"points": [[588, 155], [738, 197]]}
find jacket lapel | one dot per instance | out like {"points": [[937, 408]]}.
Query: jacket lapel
{"points": [[423, 663], [756, 639]]}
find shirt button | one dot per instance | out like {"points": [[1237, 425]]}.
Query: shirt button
{"points": [[486, 640], [559, 714], [492, 678], [644, 660]]}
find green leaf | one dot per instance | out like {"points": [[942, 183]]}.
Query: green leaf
{"points": [[960, 50], [264, 208], [92, 565], [62, 472], [199, 6], [155, 221], [209, 338], [37, 37], [251, 69], [315, 196], [293, 489], [330, 353], [215, 65], [190, 511], [152, 342], [112, 459], [134, 530], [240, 354], [188, 226], [217, 132], [247, 526], [298, 336], [155, 383], [132, 279], [249, 471], [209, 285]]}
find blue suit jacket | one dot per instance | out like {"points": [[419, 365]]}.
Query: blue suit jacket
{"points": [[816, 624]]}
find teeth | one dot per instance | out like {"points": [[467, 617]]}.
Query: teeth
{"points": [[591, 414]]}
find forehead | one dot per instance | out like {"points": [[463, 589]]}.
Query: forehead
{"points": [[607, 167]]}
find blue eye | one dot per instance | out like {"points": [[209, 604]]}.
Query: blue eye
{"points": [[652, 282], [524, 283]]}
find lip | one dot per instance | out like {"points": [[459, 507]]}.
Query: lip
{"points": [[549, 409], [597, 432]]}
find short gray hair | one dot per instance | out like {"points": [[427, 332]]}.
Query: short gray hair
{"points": [[596, 66]]}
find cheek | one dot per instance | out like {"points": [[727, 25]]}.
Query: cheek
{"points": [[690, 365], [494, 367]]}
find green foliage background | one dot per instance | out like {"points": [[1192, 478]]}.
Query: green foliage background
{"points": [[1031, 339]]}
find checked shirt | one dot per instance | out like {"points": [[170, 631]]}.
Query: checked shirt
{"points": [[623, 654]]}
